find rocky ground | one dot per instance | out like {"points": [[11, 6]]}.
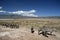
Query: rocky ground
{"points": [[24, 34]]}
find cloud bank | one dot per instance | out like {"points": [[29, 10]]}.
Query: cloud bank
{"points": [[30, 13], [2, 11], [25, 13]]}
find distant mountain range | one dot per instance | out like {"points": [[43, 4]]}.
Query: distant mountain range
{"points": [[14, 16]]}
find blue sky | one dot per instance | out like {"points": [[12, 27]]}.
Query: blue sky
{"points": [[36, 7]]}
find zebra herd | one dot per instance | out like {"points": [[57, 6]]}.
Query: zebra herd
{"points": [[10, 25], [45, 31]]}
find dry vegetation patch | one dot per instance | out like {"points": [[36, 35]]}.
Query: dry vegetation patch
{"points": [[23, 32]]}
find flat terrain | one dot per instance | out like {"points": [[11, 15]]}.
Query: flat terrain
{"points": [[23, 32]]}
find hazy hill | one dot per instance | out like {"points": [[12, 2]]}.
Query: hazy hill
{"points": [[8, 16]]}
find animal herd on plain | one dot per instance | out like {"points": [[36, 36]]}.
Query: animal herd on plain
{"points": [[45, 31], [11, 25]]}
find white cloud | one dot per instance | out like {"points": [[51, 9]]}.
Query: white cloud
{"points": [[25, 13], [30, 15], [0, 7], [2, 11], [33, 11], [20, 12]]}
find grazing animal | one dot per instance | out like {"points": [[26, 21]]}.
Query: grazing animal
{"points": [[15, 26], [45, 31], [32, 29], [10, 25]]}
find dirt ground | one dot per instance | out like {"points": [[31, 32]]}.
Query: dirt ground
{"points": [[24, 34]]}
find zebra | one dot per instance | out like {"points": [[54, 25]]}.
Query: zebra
{"points": [[45, 31]]}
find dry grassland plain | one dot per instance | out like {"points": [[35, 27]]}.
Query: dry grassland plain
{"points": [[23, 33], [33, 22]]}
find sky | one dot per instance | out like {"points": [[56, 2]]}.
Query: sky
{"points": [[30, 7]]}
